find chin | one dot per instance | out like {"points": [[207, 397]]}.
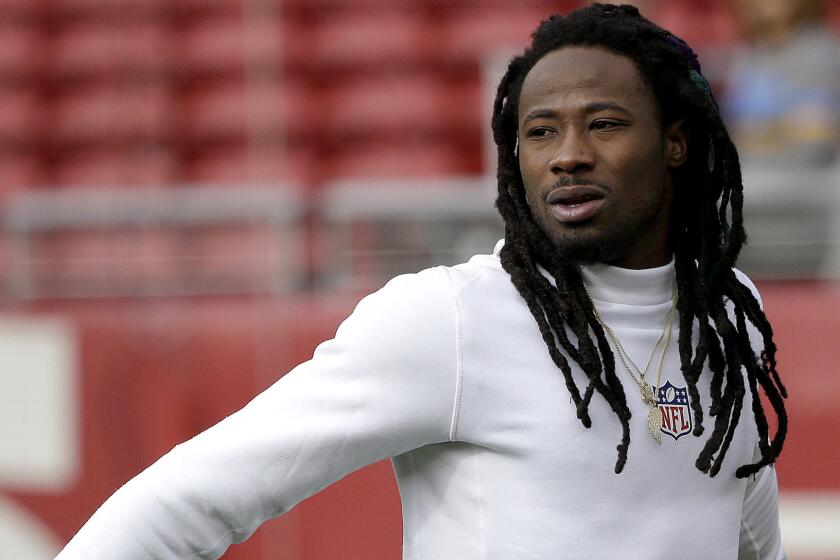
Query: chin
{"points": [[587, 245], [584, 250], [584, 254]]}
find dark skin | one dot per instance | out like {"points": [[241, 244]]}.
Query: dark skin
{"points": [[596, 159]]}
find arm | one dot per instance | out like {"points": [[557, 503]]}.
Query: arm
{"points": [[760, 537], [383, 386]]}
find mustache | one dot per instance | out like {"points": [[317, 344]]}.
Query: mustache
{"points": [[573, 181]]}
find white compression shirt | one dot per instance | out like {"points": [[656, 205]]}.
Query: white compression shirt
{"points": [[446, 372]]}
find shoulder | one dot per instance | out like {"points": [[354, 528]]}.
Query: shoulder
{"points": [[745, 281], [481, 276], [408, 323], [421, 301], [481, 270], [429, 302], [407, 299], [442, 284]]}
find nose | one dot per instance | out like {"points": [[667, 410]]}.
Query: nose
{"points": [[574, 154]]}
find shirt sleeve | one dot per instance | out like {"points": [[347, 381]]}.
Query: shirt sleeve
{"points": [[760, 537], [383, 386]]}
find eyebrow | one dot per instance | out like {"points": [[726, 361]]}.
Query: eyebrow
{"points": [[589, 108]]}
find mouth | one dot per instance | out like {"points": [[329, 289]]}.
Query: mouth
{"points": [[576, 203]]}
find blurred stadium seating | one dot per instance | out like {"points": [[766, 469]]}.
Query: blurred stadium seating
{"points": [[20, 118], [23, 50], [340, 41], [225, 43], [83, 243], [119, 169], [108, 114], [417, 225], [94, 48], [201, 189]]}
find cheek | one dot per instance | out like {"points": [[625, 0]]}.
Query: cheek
{"points": [[524, 167], [529, 178], [532, 166], [639, 167]]}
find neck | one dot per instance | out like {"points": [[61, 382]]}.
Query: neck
{"points": [[646, 257]]}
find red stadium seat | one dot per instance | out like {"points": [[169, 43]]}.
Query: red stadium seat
{"points": [[235, 109], [111, 112], [226, 43], [18, 171], [21, 55], [396, 160], [118, 169], [466, 111], [132, 48], [386, 105], [20, 9], [106, 8], [224, 6], [366, 40], [474, 32], [19, 115], [240, 165], [355, 6]]}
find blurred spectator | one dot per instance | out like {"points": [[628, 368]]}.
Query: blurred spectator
{"points": [[782, 103], [783, 92]]}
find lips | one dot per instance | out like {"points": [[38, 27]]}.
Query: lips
{"points": [[576, 203]]}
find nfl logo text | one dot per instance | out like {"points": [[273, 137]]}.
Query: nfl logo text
{"points": [[676, 416]]}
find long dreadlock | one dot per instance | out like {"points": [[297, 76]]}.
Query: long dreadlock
{"points": [[706, 236]]}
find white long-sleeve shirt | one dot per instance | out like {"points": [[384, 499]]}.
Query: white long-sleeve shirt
{"points": [[445, 371]]}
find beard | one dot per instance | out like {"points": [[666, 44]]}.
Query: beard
{"points": [[588, 244], [582, 245]]}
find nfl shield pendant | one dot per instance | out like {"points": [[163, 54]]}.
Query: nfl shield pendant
{"points": [[655, 423]]}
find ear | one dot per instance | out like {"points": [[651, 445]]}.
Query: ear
{"points": [[676, 144]]}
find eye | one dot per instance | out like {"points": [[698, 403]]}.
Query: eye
{"points": [[540, 133], [604, 124]]}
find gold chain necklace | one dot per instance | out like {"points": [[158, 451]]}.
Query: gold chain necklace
{"points": [[647, 392]]}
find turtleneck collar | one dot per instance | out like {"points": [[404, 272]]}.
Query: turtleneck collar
{"points": [[648, 286]]}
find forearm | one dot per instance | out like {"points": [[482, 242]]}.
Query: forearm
{"points": [[168, 511], [760, 537]]}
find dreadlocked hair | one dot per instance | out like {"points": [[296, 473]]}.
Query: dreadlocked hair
{"points": [[706, 236]]}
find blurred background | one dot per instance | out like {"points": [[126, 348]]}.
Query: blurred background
{"points": [[194, 193]]}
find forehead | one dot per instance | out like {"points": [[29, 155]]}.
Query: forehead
{"points": [[584, 74]]}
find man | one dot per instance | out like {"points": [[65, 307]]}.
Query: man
{"points": [[621, 195]]}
